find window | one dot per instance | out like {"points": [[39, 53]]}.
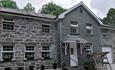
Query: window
{"points": [[20, 68], [7, 68], [8, 24], [105, 34], [74, 27], [46, 51], [89, 48], [29, 48], [89, 29], [29, 53], [46, 28], [45, 47], [7, 54], [46, 55], [8, 48]]}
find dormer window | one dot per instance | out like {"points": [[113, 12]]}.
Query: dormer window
{"points": [[74, 27], [8, 23], [89, 29]]}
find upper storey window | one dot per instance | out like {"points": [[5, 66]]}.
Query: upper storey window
{"points": [[105, 34], [8, 23], [74, 27], [89, 29], [45, 28]]}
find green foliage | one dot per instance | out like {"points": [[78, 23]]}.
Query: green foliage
{"points": [[110, 19], [52, 9], [8, 4], [29, 8]]}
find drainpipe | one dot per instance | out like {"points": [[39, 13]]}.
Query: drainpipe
{"points": [[60, 28]]}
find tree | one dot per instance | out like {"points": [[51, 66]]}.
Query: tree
{"points": [[29, 8], [110, 19], [52, 9], [8, 4]]}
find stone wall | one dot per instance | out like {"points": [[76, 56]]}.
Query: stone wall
{"points": [[26, 32]]}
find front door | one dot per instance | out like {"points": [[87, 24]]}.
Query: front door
{"points": [[73, 54]]}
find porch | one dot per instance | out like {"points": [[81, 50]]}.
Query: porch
{"points": [[73, 51]]}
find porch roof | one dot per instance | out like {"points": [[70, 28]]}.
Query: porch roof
{"points": [[71, 38]]}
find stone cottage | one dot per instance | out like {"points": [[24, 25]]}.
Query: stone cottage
{"points": [[26, 39], [29, 40]]}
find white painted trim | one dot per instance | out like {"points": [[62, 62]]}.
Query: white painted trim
{"points": [[61, 16]]}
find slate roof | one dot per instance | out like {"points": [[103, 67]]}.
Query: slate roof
{"points": [[76, 6], [31, 14]]}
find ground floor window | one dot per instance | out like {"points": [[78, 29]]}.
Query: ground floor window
{"points": [[29, 55], [7, 69], [46, 51], [31, 67], [20, 68], [29, 52], [89, 48], [7, 56], [46, 55]]}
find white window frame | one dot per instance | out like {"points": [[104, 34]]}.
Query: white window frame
{"points": [[74, 26], [7, 22], [90, 49], [29, 51], [47, 51], [89, 28], [49, 28], [9, 51]]}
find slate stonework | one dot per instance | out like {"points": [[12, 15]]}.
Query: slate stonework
{"points": [[26, 31]]}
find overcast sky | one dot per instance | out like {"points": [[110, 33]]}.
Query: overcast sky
{"points": [[99, 7]]}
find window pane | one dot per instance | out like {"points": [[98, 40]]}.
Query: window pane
{"points": [[45, 47], [29, 55], [89, 31], [46, 28], [7, 48], [89, 48], [46, 55], [29, 48], [8, 55], [74, 23], [74, 30]]}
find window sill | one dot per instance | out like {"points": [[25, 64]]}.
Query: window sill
{"points": [[90, 34], [105, 38], [7, 30], [47, 59], [74, 33], [45, 33]]}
